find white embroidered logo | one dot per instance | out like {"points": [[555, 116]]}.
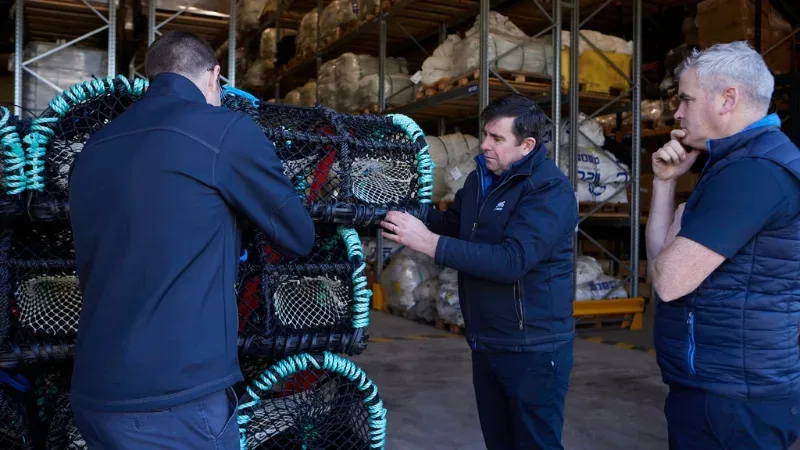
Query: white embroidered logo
{"points": [[500, 205]]}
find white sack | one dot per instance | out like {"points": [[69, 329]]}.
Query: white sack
{"points": [[336, 14], [407, 270], [503, 37], [604, 287], [308, 93], [456, 175], [247, 14], [268, 45], [611, 193], [587, 269], [425, 296], [398, 89], [595, 165], [448, 309], [591, 133], [440, 64], [307, 34]]}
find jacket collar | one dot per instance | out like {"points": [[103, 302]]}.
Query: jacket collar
{"points": [[719, 149], [175, 85]]}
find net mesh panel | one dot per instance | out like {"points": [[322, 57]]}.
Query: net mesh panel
{"points": [[325, 291], [16, 420], [12, 162], [343, 160], [45, 300], [312, 402], [60, 133], [62, 433]]}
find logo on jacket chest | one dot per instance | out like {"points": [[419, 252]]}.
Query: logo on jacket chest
{"points": [[500, 205]]}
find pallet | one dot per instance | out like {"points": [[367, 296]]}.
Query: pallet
{"points": [[445, 84], [608, 209], [612, 91], [452, 328]]}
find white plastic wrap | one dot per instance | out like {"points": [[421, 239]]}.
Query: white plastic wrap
{"points": [[455, 176], [425, 296], [503, 37], [336, 14], [307, 34], [370, 245], [407, 270], [326, 84], [398, 89], [247, 14], [447, 152], [255, 78], [268, 46], [591, 133], [595, 165], [340, 78], [440, 64], [308, 93], [448, 309], [604, 287], [587, 269]]}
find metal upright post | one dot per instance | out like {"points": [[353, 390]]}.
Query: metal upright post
{"points": [[232, 45], [151, 22], [382, 65], [483, 80], [556, 87], [18, 49], [112, 38], [636, 112], [574, 109]]}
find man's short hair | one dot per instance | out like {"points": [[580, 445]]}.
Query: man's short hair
{"points": [[179, 52], [733, 63], [529, 119]]}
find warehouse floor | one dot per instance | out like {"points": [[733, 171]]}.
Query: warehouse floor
{"points": [[425, 380]]}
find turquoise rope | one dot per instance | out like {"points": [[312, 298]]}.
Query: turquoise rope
{"points": [[425, 163], [332, 363], [361, 295], [13, 155], [42, 132]]}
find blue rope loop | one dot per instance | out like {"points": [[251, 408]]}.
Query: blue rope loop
{"points": [[42, 131], [230, 90], [332, 363], [361, 295], [425, 163], [13, 156]]}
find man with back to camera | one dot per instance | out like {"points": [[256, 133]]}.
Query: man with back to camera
{"points": [[509, 234], [155, 198], [726, 265]]}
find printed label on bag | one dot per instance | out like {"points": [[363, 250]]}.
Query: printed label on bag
{"points": [[455, 173], [417, 77]]}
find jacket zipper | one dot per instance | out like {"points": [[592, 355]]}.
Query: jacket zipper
{"points": [[519, 298], [690, 356], [485, 200]]}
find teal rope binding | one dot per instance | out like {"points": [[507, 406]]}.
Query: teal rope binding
{"points": [[41, 134], [332, 363], [425, 163], [13, 155], [361, 295]]}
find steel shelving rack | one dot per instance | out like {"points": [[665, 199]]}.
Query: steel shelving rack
{"points": [[410, 24]]}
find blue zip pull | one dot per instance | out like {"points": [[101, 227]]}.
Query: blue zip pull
{"points": [[243, 258]]}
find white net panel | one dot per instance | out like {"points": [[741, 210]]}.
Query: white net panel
{"points": [[381, 181], [313, 301], [50, 304]]}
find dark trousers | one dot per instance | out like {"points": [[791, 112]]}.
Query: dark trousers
{"points": [[206, 423], [698, 419], [521, 397]]}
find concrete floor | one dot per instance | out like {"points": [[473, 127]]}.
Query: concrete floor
{"points": [[615, 399]]}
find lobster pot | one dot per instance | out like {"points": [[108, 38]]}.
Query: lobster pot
{"points": [[306, 401], [62, 433], [316, 303], [60, 133], [16, 431], [342, 165], [12, 163], [41, 288]]}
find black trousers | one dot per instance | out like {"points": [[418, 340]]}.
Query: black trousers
{"points": [[521, 397], [206, 423], [697, 420]]}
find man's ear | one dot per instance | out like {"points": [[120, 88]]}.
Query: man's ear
{"points": [[530, 144], [730, 98]]}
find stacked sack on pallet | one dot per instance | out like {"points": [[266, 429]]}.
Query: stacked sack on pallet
{"points": [[592, 284], [601, 176], [305, 95], [453, 156], [350, 82], [336, 14], [457, 56]]}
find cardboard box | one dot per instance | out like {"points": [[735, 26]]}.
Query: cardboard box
{"points": [[722, 21]]}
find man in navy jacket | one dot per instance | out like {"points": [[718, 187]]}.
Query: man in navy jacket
{"points": [[157, 197], [726, 265], [509, 234]]}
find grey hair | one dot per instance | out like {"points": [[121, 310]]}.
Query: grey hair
{"points": [[735, 63]]}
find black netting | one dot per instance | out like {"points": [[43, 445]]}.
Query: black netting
{"points": [[319, 402], [61, 132], [347, 169], [12, 163], [62, 433], [305, 301], [17, 421], [42, 292]]}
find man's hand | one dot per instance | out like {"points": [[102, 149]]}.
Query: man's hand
{"points": [[407, 230], [672, 160]]}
